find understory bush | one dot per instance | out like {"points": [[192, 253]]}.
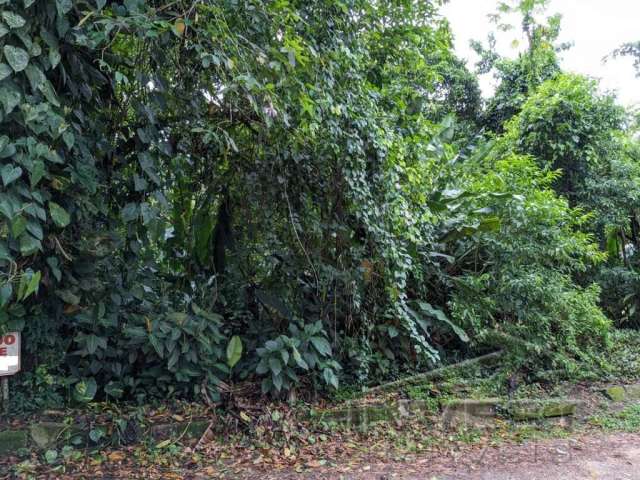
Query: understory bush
{"points": [[519, 289]]}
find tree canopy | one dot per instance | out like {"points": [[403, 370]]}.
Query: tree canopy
{"points": [[297, 193]]}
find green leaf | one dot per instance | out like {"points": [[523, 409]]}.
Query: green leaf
{"points": [[285, 356], [35, 229], [173, 359], [51, 456], [179, 318], [69, 139], [148, 213], [4, 251], [214, 317], [330, 377], [148, 166], [321, 345], [6, 291], [10, 98], [139, 183], [490, 224], [35, 76], [5, 71], [18, 226], [85, 390], [157, 345], [29, 245], [54, 57], [262, 367], [50, 94], [439, 315], [16, 57], [91, 344], [13, 19], [32, 286], [129, 212], [10, 174], [96, 434], [299, 360], [277, 382], [164, 443], [114, 389], [54, 265], [275, 365], [63, 6], [59, 215], [36, 173], [234, 351]]}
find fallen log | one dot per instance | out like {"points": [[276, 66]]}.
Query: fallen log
{"points": [[433, 374]]}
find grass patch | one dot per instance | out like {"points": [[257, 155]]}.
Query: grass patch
{"points": [[625, 420]]}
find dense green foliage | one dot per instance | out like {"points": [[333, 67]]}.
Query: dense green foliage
{"points": [[293, 193]]}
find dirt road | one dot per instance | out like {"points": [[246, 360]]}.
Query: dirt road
{"points": [[613, 457], [603, 457]]}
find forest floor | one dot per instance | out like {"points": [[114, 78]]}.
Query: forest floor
{"points": [[251, 439], [581, 457], [585, 457], [600, 441]]}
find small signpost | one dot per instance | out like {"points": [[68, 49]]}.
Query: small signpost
{"points": [[9, 362]]}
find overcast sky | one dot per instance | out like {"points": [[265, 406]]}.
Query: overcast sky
{"points": [[596, 27]]}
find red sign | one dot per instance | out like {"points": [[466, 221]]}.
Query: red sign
{"points": [[9, 353]]}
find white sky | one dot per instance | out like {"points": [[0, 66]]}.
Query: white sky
{"points": [[596, 27]]}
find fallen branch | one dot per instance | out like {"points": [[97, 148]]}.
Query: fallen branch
{"points": [[207, 437], [432, 374]]}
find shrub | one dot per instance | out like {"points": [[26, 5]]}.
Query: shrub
{"points": [[519, 290], [306, 350]]}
